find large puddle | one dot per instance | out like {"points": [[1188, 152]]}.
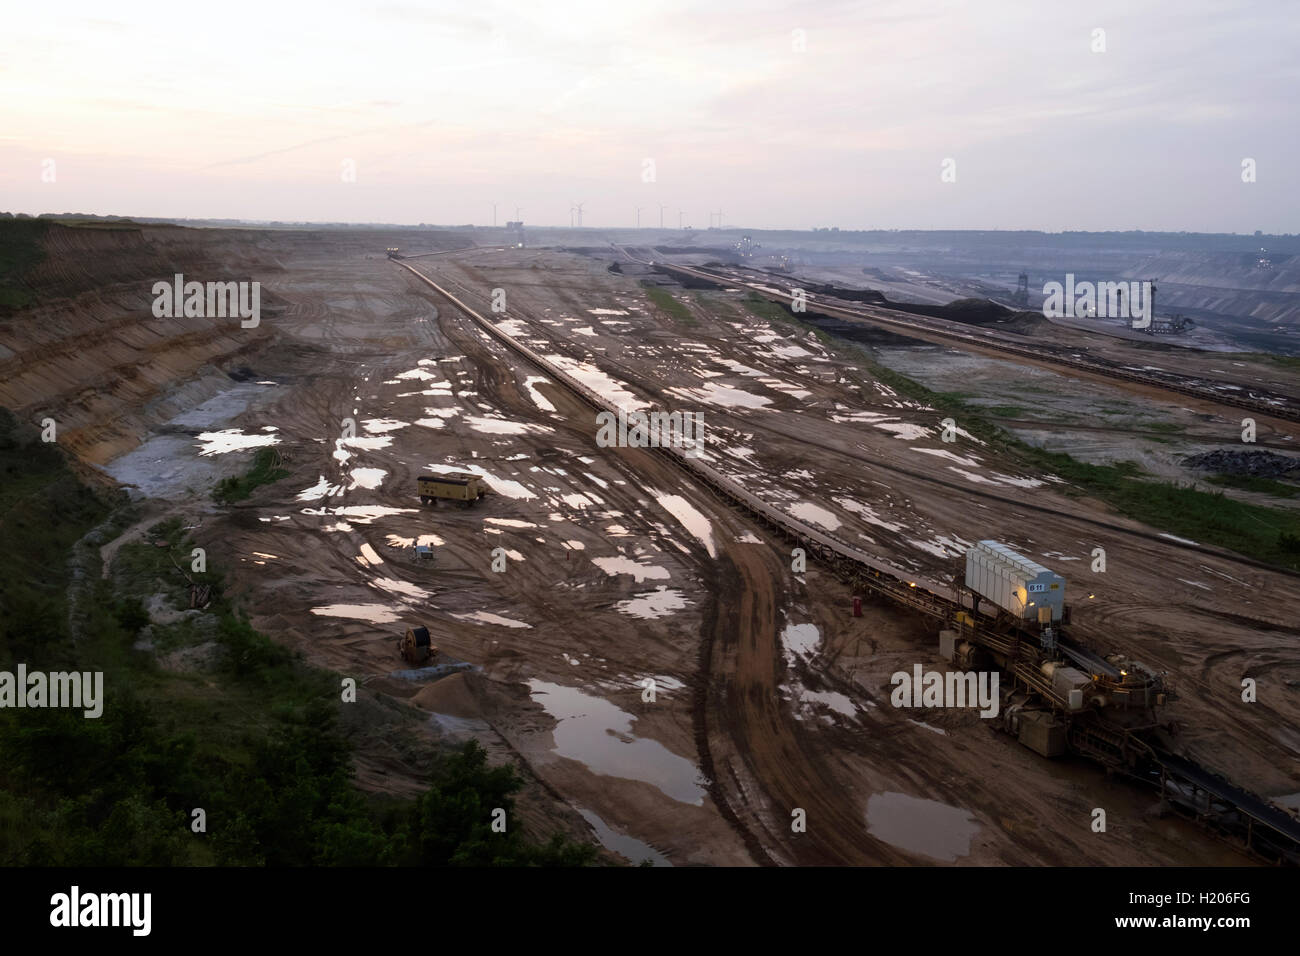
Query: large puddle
{"points": [[630, 848], [691, 519], [374, 613], [922, 826], [596, 733], [232, 439]]}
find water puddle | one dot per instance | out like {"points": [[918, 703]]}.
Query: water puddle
{"points": [[377, 426], [596, 733], [904, 430], [922, 826], [596, 380], [395, 586], [232, 439], [502, 486], [800, 640], [362, 514], [368, 478], [366, 443], [971, 462], [538, 398], [374, 613], [868, 514], [483, 617], [653, 604], [691, 519], [631, 849], [807, 511], [503, 426], [624, 565], [712, 393], [833, 700]]}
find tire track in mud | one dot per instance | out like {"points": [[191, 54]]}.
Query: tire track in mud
{"points": [[633, 377], [474, 345], [1260, 719], [738, 677]]}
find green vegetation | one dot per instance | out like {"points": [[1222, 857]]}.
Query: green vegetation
{"points": [[1209, 518], [767, 309], [1166, 428], [1289, 362], [665, 301], [20, 250], [266, 469], [203, 712], [1267, 486]]}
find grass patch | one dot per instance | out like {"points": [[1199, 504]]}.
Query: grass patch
{"points": [[265, 470], [1267, 486], [1166, 428], [1288, 362], [1211, 518], [767, 309], [665, 301]]}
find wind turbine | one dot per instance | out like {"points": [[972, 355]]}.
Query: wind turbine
{"points": [[662, 207], [638, 217]]}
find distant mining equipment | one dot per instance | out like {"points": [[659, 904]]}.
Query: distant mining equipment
{"points": [[515, 233], [1021, 298], [394, 252], [1170, 325]]}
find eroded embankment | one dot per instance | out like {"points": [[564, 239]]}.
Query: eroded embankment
{"points": [[91, 355]]}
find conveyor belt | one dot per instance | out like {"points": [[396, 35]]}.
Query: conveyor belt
{"points": [[929, 597], [1262, 404], [1274, 820]]}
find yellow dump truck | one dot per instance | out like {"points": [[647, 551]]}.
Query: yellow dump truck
{"points": [[454, 486]]}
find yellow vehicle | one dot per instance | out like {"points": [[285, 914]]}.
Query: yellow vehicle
{"points": [[454, 486]]}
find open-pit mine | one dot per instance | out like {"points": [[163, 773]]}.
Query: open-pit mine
{"points": [[662, 529]]}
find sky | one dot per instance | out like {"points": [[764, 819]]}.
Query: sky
{"points": [[920, 114]]}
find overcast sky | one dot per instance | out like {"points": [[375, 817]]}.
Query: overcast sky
{"points": [[259, 111]]}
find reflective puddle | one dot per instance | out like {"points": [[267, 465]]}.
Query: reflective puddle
{"points": [[232, 439], [375, 613], [596, 733], [630, 848], [922, 826]]}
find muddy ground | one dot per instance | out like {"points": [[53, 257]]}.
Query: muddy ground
{"points": [[769, 697]]}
